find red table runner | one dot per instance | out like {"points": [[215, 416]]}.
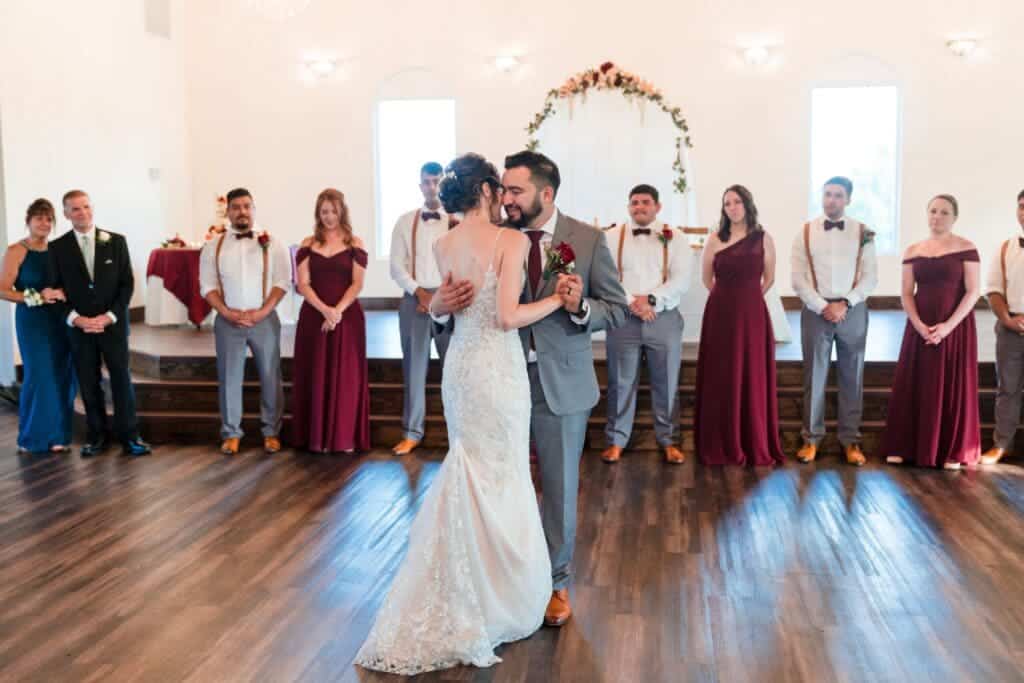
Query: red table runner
{"points": [[179, 269]]}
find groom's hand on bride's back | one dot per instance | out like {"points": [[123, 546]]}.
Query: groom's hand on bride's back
{"points": [[452, 296]]}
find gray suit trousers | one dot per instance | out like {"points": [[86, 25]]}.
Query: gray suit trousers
{"points": [[817, 337], [416, 330], [264, 340], [661, 343], [559, 440], [1010, 383]]}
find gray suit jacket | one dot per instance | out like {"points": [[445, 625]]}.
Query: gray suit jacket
{"points": [[565, 355]]}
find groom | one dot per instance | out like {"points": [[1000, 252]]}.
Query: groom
{"points": [[560, 361]]}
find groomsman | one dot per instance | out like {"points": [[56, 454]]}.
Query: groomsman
{"points": [[653, 267], [414, 269], [94, 269], [834, 271], [244, 274], [1005, 289]]}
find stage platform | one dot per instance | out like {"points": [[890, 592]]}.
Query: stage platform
{"points": [[175, 379]]}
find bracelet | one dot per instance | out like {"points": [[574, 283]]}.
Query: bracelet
{"points": [[33, 298]]}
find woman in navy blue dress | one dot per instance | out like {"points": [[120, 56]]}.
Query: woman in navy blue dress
{"points": [[48, 390]]}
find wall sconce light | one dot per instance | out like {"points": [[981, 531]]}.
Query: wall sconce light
{"points": [[321, 67], [962, 47], [756, 55], [506, 63]]}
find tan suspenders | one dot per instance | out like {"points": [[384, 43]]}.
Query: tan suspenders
{"points": [[216, 264], [415, 224], [810, 261], [1002, 263], [664, 254]]}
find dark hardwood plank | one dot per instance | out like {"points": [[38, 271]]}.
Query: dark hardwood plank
{"points": [[188, 566]]}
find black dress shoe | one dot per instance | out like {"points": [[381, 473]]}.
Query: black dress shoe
{"points": [[94, 448], [136, 447]]}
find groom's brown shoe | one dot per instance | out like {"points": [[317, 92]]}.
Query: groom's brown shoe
{"points": [[558, 611], [229, 446], [612, 454], [405, 447]]}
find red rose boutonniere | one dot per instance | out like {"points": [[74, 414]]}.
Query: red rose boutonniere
{"points": [[263, 239], [666, 235], [561, 260]]}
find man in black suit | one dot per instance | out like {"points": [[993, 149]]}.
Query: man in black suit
{"points": [[94, 269]]}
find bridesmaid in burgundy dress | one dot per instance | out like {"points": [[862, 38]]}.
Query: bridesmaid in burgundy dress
{"points": [[737, 417], [330, 393], [933, 407]]}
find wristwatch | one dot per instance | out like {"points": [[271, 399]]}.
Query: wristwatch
{"points": [[652, 300]]}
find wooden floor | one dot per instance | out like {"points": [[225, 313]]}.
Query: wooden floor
{"points": [[188, 566]]}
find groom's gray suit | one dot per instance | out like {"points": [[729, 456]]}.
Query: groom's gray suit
{"points": [[563, 384]]}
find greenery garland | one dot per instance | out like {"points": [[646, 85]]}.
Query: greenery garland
{"points": [[610, 77]]}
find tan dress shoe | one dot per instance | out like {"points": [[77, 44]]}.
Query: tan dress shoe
{"points": [[612, 454], [558, 611], [405, 447], [993, 455], [271, 444], [674, 455], [229, 446], [854, 455], [807, 453]]}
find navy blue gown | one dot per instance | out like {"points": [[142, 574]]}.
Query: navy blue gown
{"points": [[48, 390]]}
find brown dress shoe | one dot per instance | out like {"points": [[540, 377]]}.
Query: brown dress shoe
{"points": [[854, 455], [229, 446], [405, 447], [612, 454], [271, 444], [674, 455], [807, 453], [993, 455], [558, 611]]}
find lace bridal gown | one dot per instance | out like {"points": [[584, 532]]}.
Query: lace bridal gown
{"points": [[477, 572]]}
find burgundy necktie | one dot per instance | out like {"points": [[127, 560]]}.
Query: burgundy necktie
{"points": [[533, 269]]}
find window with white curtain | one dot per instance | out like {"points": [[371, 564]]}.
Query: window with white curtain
{"points": [[855, 132], [410, 132]]}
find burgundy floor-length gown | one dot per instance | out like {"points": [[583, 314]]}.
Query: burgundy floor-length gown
{"points": [[737, 414], [330, 391], [933, 407]]}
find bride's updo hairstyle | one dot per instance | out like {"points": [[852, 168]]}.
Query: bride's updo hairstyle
{"points": [[463, 180]]}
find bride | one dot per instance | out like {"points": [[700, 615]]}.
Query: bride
{"points": [[477, 572]]}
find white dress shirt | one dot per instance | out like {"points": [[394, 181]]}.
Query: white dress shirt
{"points": [[241, 269], [834, 253], [643, 259], [87, 243], [1014, 293], [427, 232]]}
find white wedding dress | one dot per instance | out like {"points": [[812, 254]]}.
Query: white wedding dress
{"points": [[477, 573]]}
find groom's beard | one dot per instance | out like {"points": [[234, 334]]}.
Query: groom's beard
{"points": [[525, 216]]}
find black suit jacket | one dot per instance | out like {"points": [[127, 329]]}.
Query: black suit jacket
{"points": [[113, 282]]}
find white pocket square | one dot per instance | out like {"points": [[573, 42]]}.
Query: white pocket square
{"points": [[108, 261]]}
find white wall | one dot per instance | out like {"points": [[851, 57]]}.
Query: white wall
{"points": [[92, 101], [252, 122]]}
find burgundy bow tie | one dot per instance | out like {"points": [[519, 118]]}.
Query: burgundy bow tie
{"points": [[430, 215], [834, 224], [247, 235], [641, 231]]}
